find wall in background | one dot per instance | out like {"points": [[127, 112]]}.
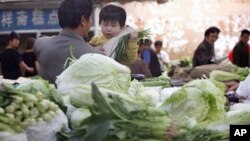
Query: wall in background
{"points": [[181, 23]]}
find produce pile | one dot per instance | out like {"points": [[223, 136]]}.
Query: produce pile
{"points": [[30, 111], [235, 73], [99, 111], [103, 104], [120, 117], [117, 118], [20, 109], [162, 80]]}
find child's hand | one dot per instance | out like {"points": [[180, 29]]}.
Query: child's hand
{"points": [[133, 35]]}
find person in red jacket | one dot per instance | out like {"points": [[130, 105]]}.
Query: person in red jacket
{"points": [[230, 54]]}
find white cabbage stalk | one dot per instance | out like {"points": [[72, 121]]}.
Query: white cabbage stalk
{"points": [[149, 95], [97, 68], [79, 116]]}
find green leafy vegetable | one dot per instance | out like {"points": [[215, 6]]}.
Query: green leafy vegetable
{"points": [[198, 93], [102, 70], [224, 76], [119, 118], [122, 45], [197, 134]]}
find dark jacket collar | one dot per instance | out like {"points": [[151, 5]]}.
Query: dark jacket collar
{"points": [[207, 44], [244, 44]]}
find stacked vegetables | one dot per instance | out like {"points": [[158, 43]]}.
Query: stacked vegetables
{"points": [[234, 73], [49, 91], [162, 80], [103, 110], [198, 134], [225, 76], [19, 109], [113, 117]]}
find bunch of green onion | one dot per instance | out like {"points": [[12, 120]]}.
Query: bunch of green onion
{"points": [[122, 44]]}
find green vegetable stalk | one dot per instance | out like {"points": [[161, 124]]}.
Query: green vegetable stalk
{"points": [[123, 46], [22, 109]]}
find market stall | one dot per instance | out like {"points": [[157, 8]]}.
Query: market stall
{"points": [[95, 99], [107, 105]]}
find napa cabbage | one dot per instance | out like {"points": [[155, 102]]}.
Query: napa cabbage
{"points": [[102, 70], [201, 99]]}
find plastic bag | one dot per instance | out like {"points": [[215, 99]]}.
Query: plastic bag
{"points": [[244, 88], [7, 136], [46, 131]]}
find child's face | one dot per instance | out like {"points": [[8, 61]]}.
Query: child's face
{"points": [[110, 28]]}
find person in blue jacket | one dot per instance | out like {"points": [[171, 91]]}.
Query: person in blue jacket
{"points": [[150, 57]]}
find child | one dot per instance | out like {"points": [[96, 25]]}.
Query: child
{"points": [[29, 57], [112, 20]]}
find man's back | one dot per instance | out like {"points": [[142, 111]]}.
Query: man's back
{"points": [[10, 60], [52, 52]]}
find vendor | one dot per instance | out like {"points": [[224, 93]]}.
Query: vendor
{"points": [[204, 54]]}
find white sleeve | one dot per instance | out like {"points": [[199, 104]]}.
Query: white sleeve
{"points": [[165, 57], [244, 88]]}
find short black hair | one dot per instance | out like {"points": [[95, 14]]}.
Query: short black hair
{"points": [[29, 43], [144, 42], [113, 13], [212, 29], [13, 35], [70, 12], [245, 31], [158, 43]]}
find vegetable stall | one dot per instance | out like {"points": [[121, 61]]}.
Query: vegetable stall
{"points": [[96, 100]]}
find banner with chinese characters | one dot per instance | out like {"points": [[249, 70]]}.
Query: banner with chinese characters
{"points": [[28, 19]]}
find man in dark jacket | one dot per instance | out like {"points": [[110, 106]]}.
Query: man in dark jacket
{"points": [[204, 54], [240, 51]]}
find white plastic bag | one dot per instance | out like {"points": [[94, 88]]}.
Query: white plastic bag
{"points": [[7, 136], [46, 131], [244, 88], [240, 106]]}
